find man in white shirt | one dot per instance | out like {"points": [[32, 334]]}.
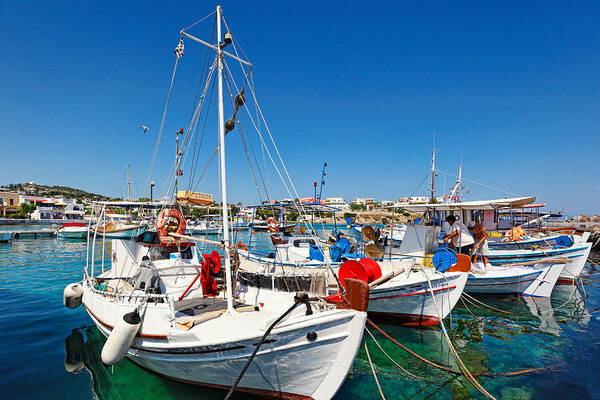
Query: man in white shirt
{"points": [[462, 242]]}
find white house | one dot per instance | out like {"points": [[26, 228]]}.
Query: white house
{"points": [[337, 202]]}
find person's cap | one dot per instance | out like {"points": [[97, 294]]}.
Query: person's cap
{"points": [[471, 225]]}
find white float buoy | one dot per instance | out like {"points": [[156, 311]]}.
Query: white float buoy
{"points": [[121, 338], [72, 295]]}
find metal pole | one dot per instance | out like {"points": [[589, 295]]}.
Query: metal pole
{"points": [[230, 308], [251, 230]]}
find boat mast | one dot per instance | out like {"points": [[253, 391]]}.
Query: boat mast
{"points": [[458, 183], [431, 189], [177, 159], [230, 308], [128, 184]]}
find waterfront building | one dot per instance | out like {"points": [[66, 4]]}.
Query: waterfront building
{"points": [[365, 201], [337, 202], [9, 202], [54, 207]]}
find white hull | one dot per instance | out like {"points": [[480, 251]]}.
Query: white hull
{"points": [[123, 234], [72, 234], [214, 352], [578, 253], [537, 280], [410, 300], [406, 298]]}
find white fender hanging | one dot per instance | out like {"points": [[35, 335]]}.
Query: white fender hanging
{"points": [[121, 338], [72, 295]]}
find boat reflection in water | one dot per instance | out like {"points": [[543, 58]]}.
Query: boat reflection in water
{"points": [[124, 380]]}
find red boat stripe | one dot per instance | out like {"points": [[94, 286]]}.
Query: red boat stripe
{"points": [[410, 294]]}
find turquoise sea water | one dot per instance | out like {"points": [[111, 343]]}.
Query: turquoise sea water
{"points": [[563, 332]]}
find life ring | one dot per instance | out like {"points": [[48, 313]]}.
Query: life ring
{"points": [[273, 225], [453, 198], [242, 246], [163, 219], [445, 197]]}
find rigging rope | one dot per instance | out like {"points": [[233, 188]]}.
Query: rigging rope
{"points": [[162, 124], [479, 183], [197, 22]]}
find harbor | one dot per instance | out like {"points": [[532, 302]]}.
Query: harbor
{"points": [[529, 333], [392, 202]]}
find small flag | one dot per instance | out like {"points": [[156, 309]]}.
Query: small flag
{"points": [[179, 49]]}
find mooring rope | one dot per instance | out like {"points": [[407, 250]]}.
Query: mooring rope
{"points": [[468, 296], [452, 371], [453, 351], [373, 370], [394, 361]]}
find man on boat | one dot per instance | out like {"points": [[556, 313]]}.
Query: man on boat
{"points": [[481, 245], [460, 238]]}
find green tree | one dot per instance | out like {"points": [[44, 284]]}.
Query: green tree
{"points": [[25, 210]]}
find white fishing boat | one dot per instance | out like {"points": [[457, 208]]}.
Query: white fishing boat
{"points": [[408, 297], [577, 250], [161, 307], [118, 226], [536, 279], [73, 230], [204, 227]]}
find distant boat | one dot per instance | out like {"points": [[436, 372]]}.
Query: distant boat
{"points": [[5, 237], [73, 230], [121, 227]]}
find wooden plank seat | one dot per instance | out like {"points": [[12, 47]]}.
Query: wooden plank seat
{"points": [[198, 310]]}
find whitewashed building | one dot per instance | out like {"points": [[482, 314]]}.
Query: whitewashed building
{"points": [[337, 202]]}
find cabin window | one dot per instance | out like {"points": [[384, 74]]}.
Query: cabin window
{"points": [[298, 242], [11, 202]]}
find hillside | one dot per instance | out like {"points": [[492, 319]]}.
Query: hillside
{"points": [[50, 191]]}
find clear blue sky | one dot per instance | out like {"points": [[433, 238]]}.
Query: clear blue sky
{"points": [[513, 88]]}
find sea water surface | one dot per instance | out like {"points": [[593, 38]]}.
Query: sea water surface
{"points": [[562, 333]]}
